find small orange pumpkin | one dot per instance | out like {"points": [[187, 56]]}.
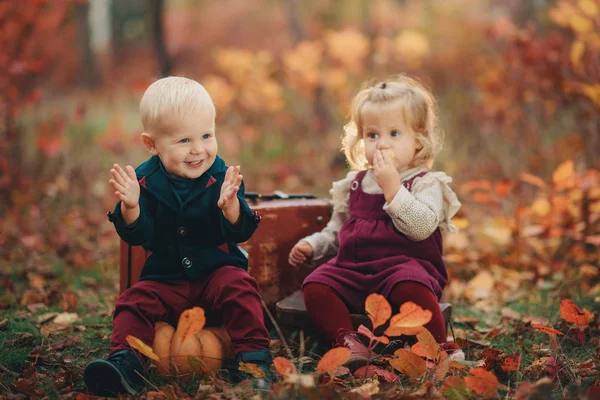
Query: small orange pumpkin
{"points": [[210, 345]]}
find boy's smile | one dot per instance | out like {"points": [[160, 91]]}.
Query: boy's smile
{"points": [[187, 146]]}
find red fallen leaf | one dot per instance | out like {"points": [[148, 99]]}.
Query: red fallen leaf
{"points": [[428, 343], [483, 382], [571, 313], [511, 363], [69, 301], [553, 367], [283, 366], [371, 370], [545, 329], [441, 370]]}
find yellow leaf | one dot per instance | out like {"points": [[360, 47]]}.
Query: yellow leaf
{"points": [[251, 369], [592, 92], [541, 207], [141, 347], [333, 359], [589, 7], [580, 24], [577, 50], [428, 344], [563, 173], [378, 309], [408, 363]]}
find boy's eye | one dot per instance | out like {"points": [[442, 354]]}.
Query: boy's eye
{"points": [[186, 140], [372, 135], [394, 133], [206, 136]]}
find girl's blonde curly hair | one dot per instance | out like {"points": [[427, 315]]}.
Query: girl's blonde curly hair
{"points": [[417, 109]]}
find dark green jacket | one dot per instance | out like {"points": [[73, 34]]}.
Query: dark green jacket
{"points": [[190, 240]]}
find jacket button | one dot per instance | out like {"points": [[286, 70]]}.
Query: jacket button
{"points": [[182, 231], [186, 262]]}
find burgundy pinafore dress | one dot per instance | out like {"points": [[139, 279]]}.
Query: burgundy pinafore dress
{"points": [[373, 256]]}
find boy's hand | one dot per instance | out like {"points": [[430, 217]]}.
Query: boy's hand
{"points": [[301, 253], [125, 183], [230, 187], [386, 174]]}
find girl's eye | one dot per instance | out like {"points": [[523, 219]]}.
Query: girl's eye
{"points": [[186, 140], [372, 135], [395, 133], [206, 136]]}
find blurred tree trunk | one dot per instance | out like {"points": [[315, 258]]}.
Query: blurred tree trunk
{"points": [[295, 21], [158, 37], [88, 67]]}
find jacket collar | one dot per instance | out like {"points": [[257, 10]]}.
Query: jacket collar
{"points": [[152, 178]]}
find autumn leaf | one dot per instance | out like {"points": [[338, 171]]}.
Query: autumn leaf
{"points": [[363, 330], [141, 347], [428, 344], [394, 331], [378, 309], [371, 370], [545, 329], [563, 173], [511, 363], [454, 387], [191, 322], [483, 382], [410, 316], [333, 359], [408, 363], [441, 370], [532, 179], [571, 313], [251, 369], [283, 366]]}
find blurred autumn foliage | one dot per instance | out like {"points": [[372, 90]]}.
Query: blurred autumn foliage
{"points": [[518, 87]]}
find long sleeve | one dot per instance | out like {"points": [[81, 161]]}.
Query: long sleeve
{"points": [[139, 232], [430, 205], [325, 243], [247, 224]]}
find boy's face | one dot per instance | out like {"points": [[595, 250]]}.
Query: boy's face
{"points": [[186, 146]]}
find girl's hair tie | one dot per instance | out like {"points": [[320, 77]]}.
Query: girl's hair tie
{"points": [[383, 85]]}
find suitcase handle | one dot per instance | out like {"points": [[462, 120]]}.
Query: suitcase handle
{"points": [[276, 195]]}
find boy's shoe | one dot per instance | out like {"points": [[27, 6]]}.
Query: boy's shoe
{"points": [[263, 360], [119, 374], [359, 353]]}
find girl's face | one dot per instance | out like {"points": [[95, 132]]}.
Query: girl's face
{"points": [[188, 147], [384, 130]]}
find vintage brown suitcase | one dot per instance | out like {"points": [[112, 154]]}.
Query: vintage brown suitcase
{"points": [[284, 220]]}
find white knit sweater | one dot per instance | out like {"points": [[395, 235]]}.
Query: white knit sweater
{"points": [[417, 214]]}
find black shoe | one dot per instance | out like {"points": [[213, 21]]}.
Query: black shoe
{"points": [[119, 374], [263, 360]]}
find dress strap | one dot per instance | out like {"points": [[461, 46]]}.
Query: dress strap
{"points": [[409, 182], [357, 181]]}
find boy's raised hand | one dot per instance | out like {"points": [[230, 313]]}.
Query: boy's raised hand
{"points": [[230, 187], [126, 185], [386, 174], [301, 253]]}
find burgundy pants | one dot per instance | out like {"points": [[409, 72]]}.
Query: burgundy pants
{"points": [[229, 296], [329, 314]]}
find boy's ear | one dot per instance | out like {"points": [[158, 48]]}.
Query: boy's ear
{"points": [[149, 142]]}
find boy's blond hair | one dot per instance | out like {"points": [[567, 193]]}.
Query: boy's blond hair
{"points": [[173, 96], [417, 110]]}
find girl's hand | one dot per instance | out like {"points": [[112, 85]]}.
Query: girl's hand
{"points": [[230, 187], [386, 174], [301, 253], [125, 183]]}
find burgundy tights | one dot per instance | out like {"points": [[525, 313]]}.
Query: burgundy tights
{"points": [[328, 313]]}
